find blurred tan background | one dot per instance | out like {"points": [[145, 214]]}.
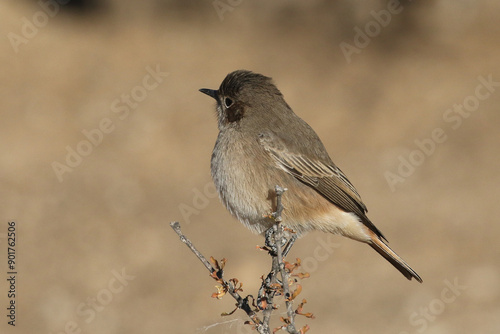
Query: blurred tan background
{"points": [[95, 253]]}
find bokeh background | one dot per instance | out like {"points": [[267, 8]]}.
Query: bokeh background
{"points": [[95, 253]]}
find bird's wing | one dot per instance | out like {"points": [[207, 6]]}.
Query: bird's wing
{"points": [[327, 179]]}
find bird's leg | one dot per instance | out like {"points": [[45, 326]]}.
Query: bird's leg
{"points": [[289, 244]]}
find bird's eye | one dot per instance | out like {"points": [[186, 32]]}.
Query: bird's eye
{"points": [[228, 102]]}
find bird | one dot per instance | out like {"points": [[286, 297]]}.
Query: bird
{"points": [[262, 143]]}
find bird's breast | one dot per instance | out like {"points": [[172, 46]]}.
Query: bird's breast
{"points": [[243, 175]]}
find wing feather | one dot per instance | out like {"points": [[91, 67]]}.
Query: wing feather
{"points": [[326, 178]]}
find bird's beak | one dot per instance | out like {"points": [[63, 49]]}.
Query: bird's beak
{"points": [[210, 92]]}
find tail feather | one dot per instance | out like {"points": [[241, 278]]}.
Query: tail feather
{"points": [[391, 256]]}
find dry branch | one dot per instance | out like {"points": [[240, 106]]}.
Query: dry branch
{"points": [[278, 244]]}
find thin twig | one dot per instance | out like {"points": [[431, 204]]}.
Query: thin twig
{"points": [[279, 206], [286, 285], [268, 291], [275, 241], [177, 228], [278, 229], [241, 303]]}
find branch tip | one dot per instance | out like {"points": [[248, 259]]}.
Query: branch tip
{"points": [[279, 240]]}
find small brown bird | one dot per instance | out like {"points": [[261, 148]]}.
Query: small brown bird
{"points": [[261, 144]]}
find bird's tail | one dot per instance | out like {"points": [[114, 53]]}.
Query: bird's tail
{"points": [[391, 256]]}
